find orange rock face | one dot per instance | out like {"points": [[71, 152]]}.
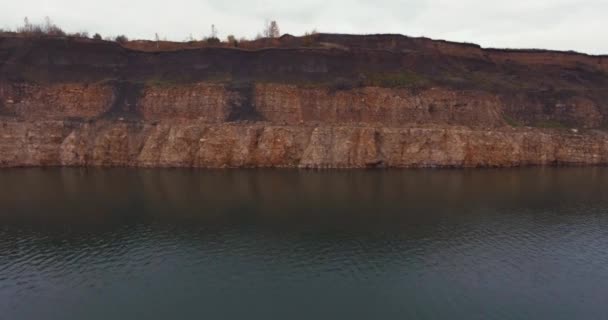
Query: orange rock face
{"points": [[383, 106], [321, 101], [208, 102], [197, 144], [56, 101], [288, 126]]}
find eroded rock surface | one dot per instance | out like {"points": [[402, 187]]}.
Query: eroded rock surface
{"points": [[379, 101], [199, 144]]}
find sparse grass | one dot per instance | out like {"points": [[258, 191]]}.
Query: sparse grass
{"points": [[340, 84], [490, 81], [395, 80], [308, 41], [301, 83], [219, 77], [157, 82], [511, 121], [163, 82], [550, 124], [172, 80]]}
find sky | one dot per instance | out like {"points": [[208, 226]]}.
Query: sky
{"points": [[579, 25]]}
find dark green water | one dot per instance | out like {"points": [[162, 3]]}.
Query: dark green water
{"points": [[412, 244]]}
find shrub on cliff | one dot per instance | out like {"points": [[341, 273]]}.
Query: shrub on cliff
{"points": [[232, 41], [396, 79], [97, 36], [309, 38], [82, 34], [213, 41], [47, 28], [121, 39]]}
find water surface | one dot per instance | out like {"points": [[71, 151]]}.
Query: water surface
{"points": [[288, 244]]}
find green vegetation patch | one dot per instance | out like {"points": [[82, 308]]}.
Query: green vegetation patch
{"points": [[511, 121], [550, 124], [395, 80], [181, 79]]}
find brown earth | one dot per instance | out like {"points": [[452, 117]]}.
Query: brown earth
{"points": [[323, 101]]}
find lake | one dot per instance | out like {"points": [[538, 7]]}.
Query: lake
{"points": [[526, 243]]}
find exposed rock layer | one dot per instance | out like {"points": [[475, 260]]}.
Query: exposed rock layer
{"points": [[354, 106], [197, 144]]}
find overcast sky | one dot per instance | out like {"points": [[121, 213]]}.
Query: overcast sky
{"points": [[580, 25]]}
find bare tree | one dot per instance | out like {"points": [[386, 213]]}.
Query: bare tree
{"points": [[29, 28], [271, 30], [213, 31], [53, 30], [274, 30], [47, 28]]}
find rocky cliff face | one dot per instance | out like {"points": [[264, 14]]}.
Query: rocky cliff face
{"points": [[440, 105], [373, 105], [192, 143]]}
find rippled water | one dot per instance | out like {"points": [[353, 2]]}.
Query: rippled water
{"points": [[185, 244]]}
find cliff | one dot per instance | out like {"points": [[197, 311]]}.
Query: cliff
{"points": [[323, 101]]}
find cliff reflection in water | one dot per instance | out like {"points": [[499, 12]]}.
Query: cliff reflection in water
{"points": [[260, 244], [286, 197]]}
